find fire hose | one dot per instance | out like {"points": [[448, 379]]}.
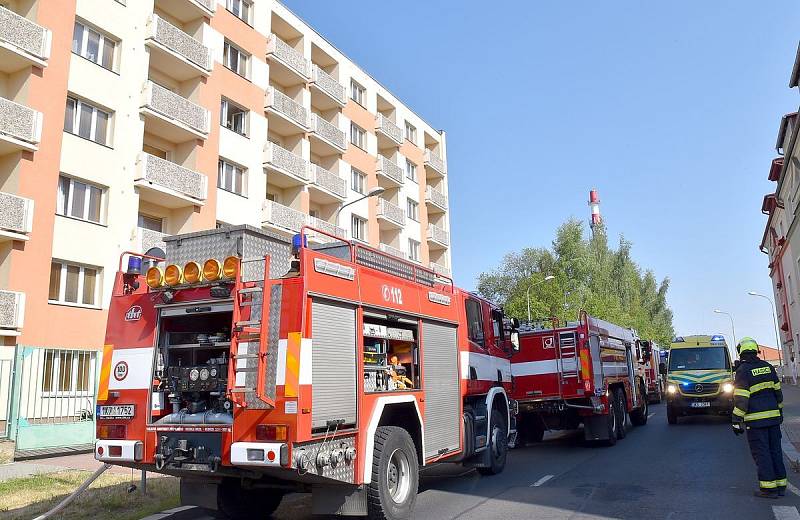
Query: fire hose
{"points": [[64, 503]]}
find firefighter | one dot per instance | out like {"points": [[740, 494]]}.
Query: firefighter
{"points": [[758, 411]]}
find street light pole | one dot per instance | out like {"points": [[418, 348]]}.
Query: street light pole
{"points": [[733, 329], [377, 190], [528, 292], [774, 323]]}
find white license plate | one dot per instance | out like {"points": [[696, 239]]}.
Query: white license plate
{"points": [[701, 404], [116, 411]]}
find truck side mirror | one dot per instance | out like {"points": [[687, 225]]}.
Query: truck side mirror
{"points": [[662, 368], [515, 341]]}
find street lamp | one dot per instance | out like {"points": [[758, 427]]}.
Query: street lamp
{"points": [[733, 329], [774, 322], [528, 292], [377, 190]]}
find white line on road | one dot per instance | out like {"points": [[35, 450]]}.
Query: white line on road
{"points": [[793, 489], [652, 414], [541, 481], [785, 513]]}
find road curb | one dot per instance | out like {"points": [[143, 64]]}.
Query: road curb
{"points": [[789, 450]]}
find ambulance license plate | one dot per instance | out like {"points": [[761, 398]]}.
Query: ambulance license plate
{"points": [[116, 411], [701, 404]]}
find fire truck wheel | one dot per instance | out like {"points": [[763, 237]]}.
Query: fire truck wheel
{"points": [[395, 475], [672, 415], [237, 503], [620, 407], [639, 415], [531, 430], [611, 421], [498, 445]]}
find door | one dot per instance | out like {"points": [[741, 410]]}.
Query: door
{"points": [[442, 388]]}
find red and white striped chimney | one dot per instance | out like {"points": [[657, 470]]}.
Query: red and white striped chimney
{"points": [[594, 204]]}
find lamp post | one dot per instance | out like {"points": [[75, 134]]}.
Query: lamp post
{"points": [[528, 292], [774, 323], [377, 190], [733, 329]]}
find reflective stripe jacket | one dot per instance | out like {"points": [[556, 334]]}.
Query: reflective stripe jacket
{"points": [[757, 395]]}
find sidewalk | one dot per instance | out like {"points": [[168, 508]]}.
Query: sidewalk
{"points": [[791, 418], [84, 461]]}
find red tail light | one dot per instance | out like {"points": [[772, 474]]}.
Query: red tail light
{"points": [[115, 451], [112, 431], [272, 432]]}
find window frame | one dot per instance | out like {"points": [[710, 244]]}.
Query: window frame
{"points": [[82, 50], [142, 216], [64, 208], [413, 250], [358, 92], [356, 130], [243, 59], [410, 132], [356, 173], [472, 302], [412, 209], [225, 105], [248, 19], [80, 285], [358, 223], [52, 370], [411, 170], [76, 123], [221, 172]]}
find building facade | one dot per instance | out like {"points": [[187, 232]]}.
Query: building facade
{"points": [[124, 121]]}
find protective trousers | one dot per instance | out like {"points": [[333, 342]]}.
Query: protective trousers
{"points": [[765, 446]]}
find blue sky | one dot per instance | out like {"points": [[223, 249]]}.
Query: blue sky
{"points": [[670, 109]]}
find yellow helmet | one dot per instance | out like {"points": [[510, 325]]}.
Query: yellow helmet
{"points": [[747, 344]]}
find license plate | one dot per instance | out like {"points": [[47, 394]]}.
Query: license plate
{"points": [[701, 404], [116, 411]]}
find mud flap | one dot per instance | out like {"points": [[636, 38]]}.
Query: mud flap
{"points": [[595, 428], [338, 500], [201, 493]]}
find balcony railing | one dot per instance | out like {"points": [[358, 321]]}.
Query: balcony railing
{"points": [[16, 213], [20, 122], [21, 33], [438, 234], [391, 212], [329, 132], [283, 216], [440, 269], [176, 107], [435, 162], [328, 84], [285, 161], [173, 176], [386, 248], [288, 56], [286, 106], [210, 5], [12, 309], [387, 127], [388, 168], [328, 180], [179, 42], [149, 239], [324, 225], [435, 197]]}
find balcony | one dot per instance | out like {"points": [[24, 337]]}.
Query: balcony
{"points": [[386, 248], [440, 269], [389, 171], [328, 136], [174, 52], [327, 227], [22, 42], [332, 92], [326, 186], [292, 117], [287, 66], [188, 10], [390, 215], [172, 116], [434, 164], [20, 127], [435, 199], [438, 238], [168, 184], [148, 239], [16, 217], [785, 132], [290, 169], [12, 312], [389, 134], [282, 218]]}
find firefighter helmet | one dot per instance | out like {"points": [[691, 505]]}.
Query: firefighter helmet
{"points": [[747, 344]]}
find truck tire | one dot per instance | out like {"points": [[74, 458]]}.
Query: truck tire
{"points": [[238, 503], [639, 415], [620, 407], [611, 422], [531, 429], [672, 415], [498, 445], [395, 475]]}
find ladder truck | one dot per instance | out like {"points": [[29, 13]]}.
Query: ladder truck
{"points": [[585, 372], [252, 367]]}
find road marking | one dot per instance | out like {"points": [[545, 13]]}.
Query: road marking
{"points": [[541, 481], [793, 489], [652, 414], [785, 513]]}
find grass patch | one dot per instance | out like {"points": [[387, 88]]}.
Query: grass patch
{"points": [[6, 452], [107, 497]]}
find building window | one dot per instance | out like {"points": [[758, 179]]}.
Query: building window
{"points": [[358, 228], [235, 59], [412, 210], [94, 46], [357, 92], [233, 117], [70, 283], [411, 171], [413, 250], [79, 200], [232, 177], [87, 121], [67, 371], [150, 223], [411, 132], [358, 181], [358, 136], [240, 9]]}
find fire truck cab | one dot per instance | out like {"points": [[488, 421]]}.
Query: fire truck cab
{"points": [[251, 367], [649, 356]]}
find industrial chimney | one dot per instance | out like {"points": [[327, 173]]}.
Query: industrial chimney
{"points": [[594, 204]]}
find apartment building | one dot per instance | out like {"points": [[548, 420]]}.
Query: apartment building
{"points": [[122, 121]]}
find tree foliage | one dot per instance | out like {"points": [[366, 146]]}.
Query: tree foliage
{"points": [[588, 275]]}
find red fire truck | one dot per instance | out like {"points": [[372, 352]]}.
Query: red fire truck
{"points": [[252, 367], [583, 372], [649, 355]]}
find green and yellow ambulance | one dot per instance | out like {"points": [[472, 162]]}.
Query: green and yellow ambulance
{"points": [[699, 377]]}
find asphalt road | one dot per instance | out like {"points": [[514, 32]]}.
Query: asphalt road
{"points": [[697, 469]]}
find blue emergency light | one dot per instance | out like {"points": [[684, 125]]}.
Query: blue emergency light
{"points": [[717, 337], [135, 265], [299, 241]]}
